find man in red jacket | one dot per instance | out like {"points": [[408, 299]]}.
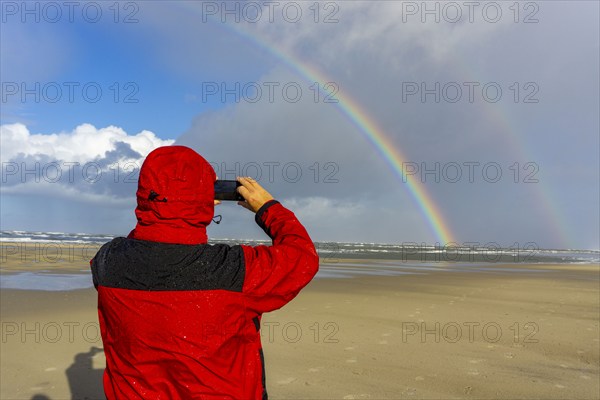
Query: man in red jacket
{"points": [[180, 318]]}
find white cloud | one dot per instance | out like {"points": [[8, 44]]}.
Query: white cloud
{"points": [[87, 165], [85, 143]]}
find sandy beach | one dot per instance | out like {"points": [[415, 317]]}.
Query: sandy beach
{"points": [[516, 331]]}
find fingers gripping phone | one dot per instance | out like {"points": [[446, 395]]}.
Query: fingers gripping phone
{"points": [[226, 190]]}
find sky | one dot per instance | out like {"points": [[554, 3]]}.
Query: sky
{"points": [[373, 121]]}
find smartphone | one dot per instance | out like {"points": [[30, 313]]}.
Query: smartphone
{"points": [[226, 190]]}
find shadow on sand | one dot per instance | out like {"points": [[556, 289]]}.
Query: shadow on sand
{"points": [[85, 382]]}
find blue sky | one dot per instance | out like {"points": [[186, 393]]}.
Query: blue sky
{"points": [[136, 85], [152, 73]]}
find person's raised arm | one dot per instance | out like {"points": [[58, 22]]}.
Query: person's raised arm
{"points": [[275, 274]]}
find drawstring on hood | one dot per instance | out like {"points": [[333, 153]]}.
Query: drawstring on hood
{"points": [[153, 196], [175, 197]]}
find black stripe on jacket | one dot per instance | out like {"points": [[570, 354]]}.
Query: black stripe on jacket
{"points": [[143, 265]]}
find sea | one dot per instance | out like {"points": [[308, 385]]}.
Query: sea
{"points": [[337, 259]]}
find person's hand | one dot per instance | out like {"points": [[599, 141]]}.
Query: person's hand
{"points": [[254, 194]]}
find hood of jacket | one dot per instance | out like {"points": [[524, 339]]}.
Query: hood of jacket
{"points": [[174, 197]]}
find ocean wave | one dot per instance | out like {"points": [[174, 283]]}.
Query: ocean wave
{"points": [[414, 251]]}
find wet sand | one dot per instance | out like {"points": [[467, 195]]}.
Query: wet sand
{"points": [[443, 334]]}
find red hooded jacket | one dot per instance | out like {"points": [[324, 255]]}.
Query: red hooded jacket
{"points": [[180, 318]]}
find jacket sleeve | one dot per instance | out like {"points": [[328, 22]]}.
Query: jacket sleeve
{"points": [[275, 274]]}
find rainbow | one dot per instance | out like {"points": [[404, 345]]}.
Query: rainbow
{"points": [[542, 193], [384, 146], [395, 159], [366, 125]]}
